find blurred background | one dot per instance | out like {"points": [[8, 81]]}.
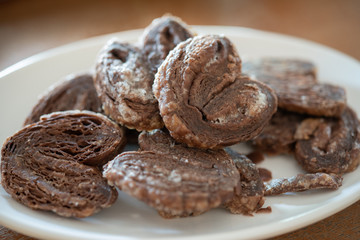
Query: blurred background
{"points": [[28, 27]]}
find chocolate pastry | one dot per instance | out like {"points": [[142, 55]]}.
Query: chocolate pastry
{"points": [[278, 135], [329, 145], [297, 89], [77, 92], [203, 99], [161, 36], [251, 197], [303, 182], [123, 82], [45, 165], [125, 74], [176, 180]]}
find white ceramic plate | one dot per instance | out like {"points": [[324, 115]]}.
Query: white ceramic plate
{"points": [[130, 219]]}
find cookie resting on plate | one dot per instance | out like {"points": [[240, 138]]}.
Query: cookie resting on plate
{"points": [[295, 84], [54, 164], [203, 99], [125, 74], [176, 180], [328, 144], [123, 82]]}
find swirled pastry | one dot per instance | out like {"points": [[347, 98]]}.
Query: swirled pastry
{"points": [[123, 82], [125, 74], [54, 164], [329, 145], [203, 99], [176, 180]]}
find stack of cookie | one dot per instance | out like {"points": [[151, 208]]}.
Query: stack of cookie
{"points": [[191, 98], [313, 121]]}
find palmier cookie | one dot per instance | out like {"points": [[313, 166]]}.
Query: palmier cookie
{"points": [[161, 36], [329, 145], [54, 164], [176, 180], [76, 92], [294, 81], [125, 74], [203, 99], [123, 82]]}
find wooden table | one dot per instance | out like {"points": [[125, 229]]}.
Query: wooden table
{"points": [[29, 27]]}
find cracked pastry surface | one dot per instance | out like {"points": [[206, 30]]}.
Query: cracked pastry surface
{"points": [[54, 164], [203, 99], [176, 180]]}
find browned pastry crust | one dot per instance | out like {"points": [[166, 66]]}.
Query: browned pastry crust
{"points": [[278, 135], [203, 100], [125, 74], [76, 92], [296, 86], [45, 165], [303, 182], [251, 197], [176, 180], [329, 145], [161, 36]]}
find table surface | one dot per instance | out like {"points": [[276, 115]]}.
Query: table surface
{"points": [[28, 27]]}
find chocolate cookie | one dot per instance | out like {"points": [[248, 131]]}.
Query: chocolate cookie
{"points": [[54, 164], [161, 36], [251, 197], [297, 89], [76, 92], [176, 180], [278, 135], [329, 145], [123, 82], [203, 99], [125, 74]]}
